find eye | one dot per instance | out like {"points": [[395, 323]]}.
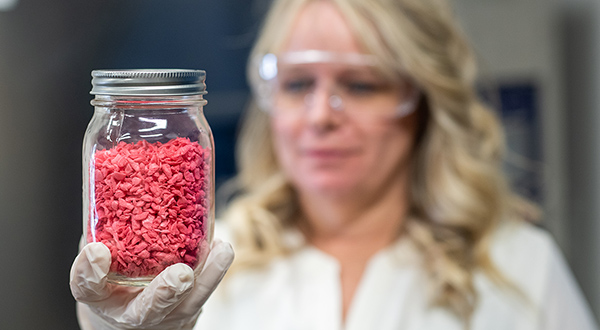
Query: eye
{"points": [[361, 87], [297, 85]]}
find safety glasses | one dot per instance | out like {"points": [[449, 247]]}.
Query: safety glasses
{"points": [[293, 83]]}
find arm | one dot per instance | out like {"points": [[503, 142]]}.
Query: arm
{"points": [[563, 304]]}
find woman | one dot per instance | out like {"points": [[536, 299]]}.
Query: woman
{"points": [[373, 191]]}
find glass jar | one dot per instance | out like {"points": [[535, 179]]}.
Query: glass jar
{"points": [[148, 171]]}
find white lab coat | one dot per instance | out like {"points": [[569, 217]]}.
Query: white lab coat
{"points": [[303, 292]]}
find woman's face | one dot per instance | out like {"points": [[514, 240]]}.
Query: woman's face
{"points": [[336, 153]]}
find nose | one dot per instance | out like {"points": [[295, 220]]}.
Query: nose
{"points": [[319, 106], [323, 101]]}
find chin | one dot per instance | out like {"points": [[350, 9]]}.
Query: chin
{"points": [[327, 186]]}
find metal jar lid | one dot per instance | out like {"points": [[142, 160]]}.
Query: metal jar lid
{"points": [[148, 82]]}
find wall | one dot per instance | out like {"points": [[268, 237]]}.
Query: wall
{"points": [[580, 20], [555, 45]]}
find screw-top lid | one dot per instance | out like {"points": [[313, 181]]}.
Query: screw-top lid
{"points": [[148, 82]]}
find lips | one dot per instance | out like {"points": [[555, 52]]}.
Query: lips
{"points": [[329, 153]]}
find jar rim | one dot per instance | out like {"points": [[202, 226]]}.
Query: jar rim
{"points": [[148, 82]]}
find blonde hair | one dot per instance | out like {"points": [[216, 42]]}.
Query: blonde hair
{"points": [[458, 192]]}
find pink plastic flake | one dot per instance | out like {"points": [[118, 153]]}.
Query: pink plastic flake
{"points": [[150, 204]]}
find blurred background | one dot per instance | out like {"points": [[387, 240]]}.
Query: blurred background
{"points": [[541, 59]]}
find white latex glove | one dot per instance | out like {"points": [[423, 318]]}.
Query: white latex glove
{"points": [[171, 301]]}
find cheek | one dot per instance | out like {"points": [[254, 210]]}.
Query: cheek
{"points": [[281, 127], [391, 147], [284, 133]]}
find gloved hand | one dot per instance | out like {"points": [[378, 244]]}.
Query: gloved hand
{"points": [[171, 301]]}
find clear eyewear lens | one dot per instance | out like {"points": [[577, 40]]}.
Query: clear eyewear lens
{"points": [[291, 82]]}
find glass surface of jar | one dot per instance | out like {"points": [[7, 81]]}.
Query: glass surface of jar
{"points": [[148, 171]]}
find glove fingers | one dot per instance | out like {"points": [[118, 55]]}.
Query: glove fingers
{"points": [[217, 263], [88, 273], [161, 296]]}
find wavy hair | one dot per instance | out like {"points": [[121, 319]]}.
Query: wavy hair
{"points": [[458, 192]]}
